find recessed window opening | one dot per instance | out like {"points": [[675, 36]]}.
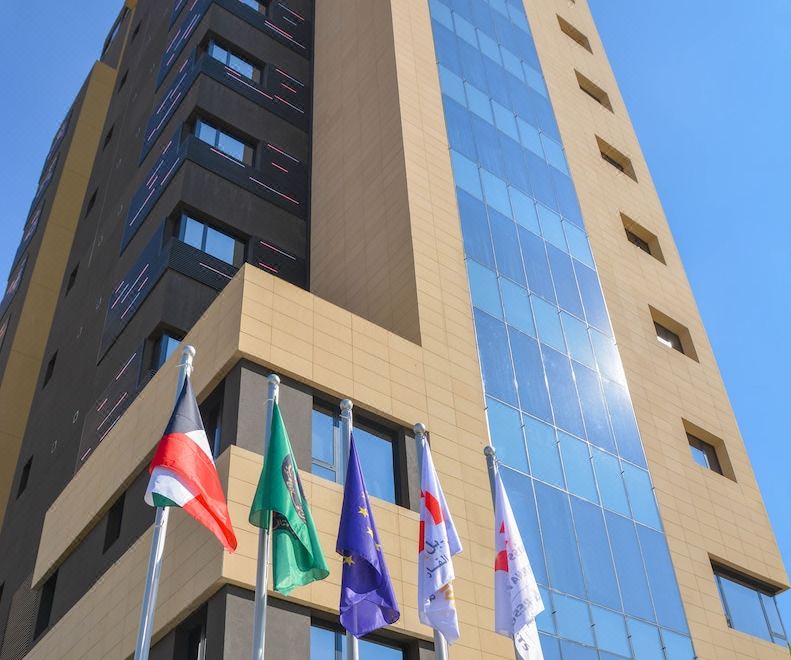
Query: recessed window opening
{"points": [[50, 370], [45, 605], [108, 137], [749, 605], [708, 451], [375, 446], [594, 91], [643, 239], [672, 334], [123, 80], [115, 518], [574, 34], [72, 279], [24, 478], [260, 7], [615, 158], [704, 454], [224, 142], [210, 240], [234, 61], [91, 203]]}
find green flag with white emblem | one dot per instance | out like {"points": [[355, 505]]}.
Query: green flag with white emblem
{"points": [[297, 558]]}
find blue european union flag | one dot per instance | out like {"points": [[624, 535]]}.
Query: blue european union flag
{"points": [[368, 601]]}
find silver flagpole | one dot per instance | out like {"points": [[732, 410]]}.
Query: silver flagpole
{"points": [[352, 647], [440, 643], [261, 574], [146, 628]]}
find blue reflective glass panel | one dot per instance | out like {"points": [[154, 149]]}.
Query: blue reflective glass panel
{"points": [[610, 629], [376, 457], [629, 567], [534, 254], [595, 554], [550, 646], [611, 487], [645, 640], [495, 192], [323, 437], [548, 323], [551, 227], [524, 210], [662, 579], [578, 244], [641, 495], [498, 375], [572, 651], [484, 290], [677, 647], [466, 174], [457, 120], [543, 450], [578, 466], [518, 313], [743, 608], [506, 247], [565, 284], [607, 358], [563, 561], [533, 395], [573, 619], [475, 229], [592, 299], [545, 621], [624, 423], [562, 392], [593, 410], [505, 430], [322, 644]]}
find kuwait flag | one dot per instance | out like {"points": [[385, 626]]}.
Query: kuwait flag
{"points": [[183, 472], [517, 600], [437, 545]]}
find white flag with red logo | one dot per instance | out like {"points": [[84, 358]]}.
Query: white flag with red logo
{"points": [[517, 601], [437, 544]]}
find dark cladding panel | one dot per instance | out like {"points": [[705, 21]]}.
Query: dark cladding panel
{"points": [[14, 280], [113, 402], [178, 90], [282, 179], [200, 266], [132, 290], [267, 256], [29, 231], [178, 5], [280, 22], [155, 183], [281, 94]]}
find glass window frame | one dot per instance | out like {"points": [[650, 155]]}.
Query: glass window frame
{"points": [[762, 593], [181, 229], [708, 451], [215, 49], [367, 426], [340, 637], [248, 150]]}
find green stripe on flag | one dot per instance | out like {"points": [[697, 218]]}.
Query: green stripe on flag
{"points": [[161, 500]]}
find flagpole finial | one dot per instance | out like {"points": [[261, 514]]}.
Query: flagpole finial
{"points": [[420, 428], [189, 353], [347, 404], [274, 379], [489, 451]]}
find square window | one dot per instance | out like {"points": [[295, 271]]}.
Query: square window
{"points": [[45, 606], [641, 238], [704, 454], [668, 337], [594, 91], [672, 334], [574, 34], [115, 519], [618, 160], [24, 478]]}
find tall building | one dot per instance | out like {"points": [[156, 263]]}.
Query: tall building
{"points": [[437, 208]]}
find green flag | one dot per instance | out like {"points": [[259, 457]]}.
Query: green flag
{"points": [[297, 558]]}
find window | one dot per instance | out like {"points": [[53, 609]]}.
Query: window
{"points": [[123, 80], [233, 61], [375, 448], [749, 606], [24, 478], [254, 4], [190, 642], [704, 454], [224, 142], [4, 330], [50, 370], [574, 34], [211, 414], [135, 32], [115, 29], [639, 236], [115, 519], [91, 203], [164, 347], [72, 279], [593, 90], [45, 605], [108, 137], [668, 337], [326, 644], [615, 158], [210, 240], [634, 239]]}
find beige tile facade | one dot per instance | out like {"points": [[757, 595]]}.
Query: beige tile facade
{"points": [[706, 516], [388, 324]]}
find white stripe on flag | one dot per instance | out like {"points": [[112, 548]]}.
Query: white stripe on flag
{"points": [[164, 482]]}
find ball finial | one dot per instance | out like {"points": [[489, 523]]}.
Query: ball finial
{"points": [[489, 451], [346, 404], [420, 428], [274, 379]]}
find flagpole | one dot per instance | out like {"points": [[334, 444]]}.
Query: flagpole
{"points": [[352, 647], [440, 643], [261, 574], [146, 627]]}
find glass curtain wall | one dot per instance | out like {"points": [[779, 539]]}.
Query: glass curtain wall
{"points": [[559, 411]]}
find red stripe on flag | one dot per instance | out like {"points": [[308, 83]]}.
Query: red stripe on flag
{"points": [[179, 453], [433, 507], [422, 539], [501, 561]]}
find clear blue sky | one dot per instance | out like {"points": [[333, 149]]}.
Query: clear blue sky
{"points": [[707, 87]]}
